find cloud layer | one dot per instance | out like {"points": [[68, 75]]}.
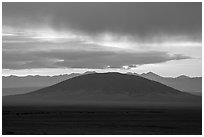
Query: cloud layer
{"points": [[84, 59], [99, 35]]}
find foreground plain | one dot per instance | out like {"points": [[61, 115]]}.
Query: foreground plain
{"points": [[75, 120]]}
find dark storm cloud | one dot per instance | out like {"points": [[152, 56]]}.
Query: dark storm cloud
{"points": [[129, 18], [84, 59], [92, 35]]}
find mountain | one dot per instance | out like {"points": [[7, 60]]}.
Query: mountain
{"points": [[37, 81], [12, 85], [182, 77], [182, 83], [88, 72], [105, 88], [19, 85], [34, 81], [150, 75]]}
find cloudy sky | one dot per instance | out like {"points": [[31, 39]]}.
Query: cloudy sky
{"points": [[58, 38]]}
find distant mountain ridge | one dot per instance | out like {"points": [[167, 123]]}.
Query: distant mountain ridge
{"points": [[34, 81], [37, 80], [183, 83], [105, 88]]}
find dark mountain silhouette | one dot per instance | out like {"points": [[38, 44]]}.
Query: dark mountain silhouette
{"points": [[105, 88], [182, 83], [12, 85]]}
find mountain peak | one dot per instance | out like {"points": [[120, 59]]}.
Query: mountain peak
{"points": [[89, 72], [150, 74], [132, 73], [182, 77]]}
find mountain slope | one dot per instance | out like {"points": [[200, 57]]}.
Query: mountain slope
{"points": [[105, 88], [15, 91]]}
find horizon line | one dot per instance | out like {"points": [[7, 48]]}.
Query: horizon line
{"points": [[100, 72]]}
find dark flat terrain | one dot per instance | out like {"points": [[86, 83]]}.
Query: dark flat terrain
{"points": [[101, 120]]}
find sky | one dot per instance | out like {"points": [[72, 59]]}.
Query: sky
{"points": [[60, 38]]}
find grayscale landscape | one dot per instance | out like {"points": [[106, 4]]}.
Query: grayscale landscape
{"points": [[102, 68]]}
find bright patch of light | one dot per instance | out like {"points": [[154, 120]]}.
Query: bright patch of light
{"points": [[8, 34], [60, 60], [125, 67]]}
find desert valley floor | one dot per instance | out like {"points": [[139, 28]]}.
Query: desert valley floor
{"points": [[101, 120]]}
